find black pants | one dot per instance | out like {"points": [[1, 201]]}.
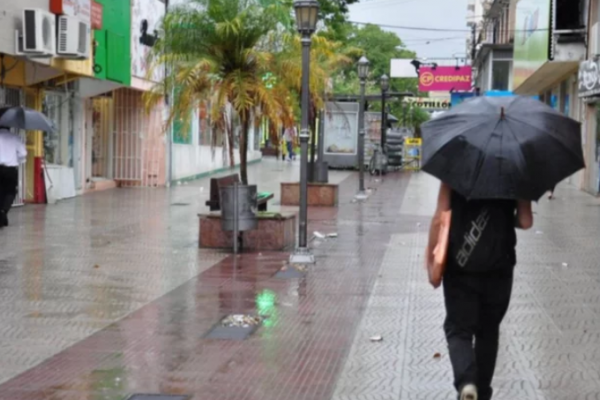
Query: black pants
{"points": [[9, 183], [475, 307]]}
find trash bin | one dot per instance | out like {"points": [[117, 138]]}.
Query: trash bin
{"points": [[247, 206]]}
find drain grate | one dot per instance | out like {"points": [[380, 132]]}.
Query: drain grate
{"points": [[289, 273], [179, 204], [223, 332], [158, 397]]}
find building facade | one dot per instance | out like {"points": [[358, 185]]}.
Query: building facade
{"points": [[588, 85], [550, 42], [535, 48], [491, 44], [93, 92]]}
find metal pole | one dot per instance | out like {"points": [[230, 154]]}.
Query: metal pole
{"points": [[236, 217], [383, 121], [361, 141], [303, 254], [321, 143], [304, 136]]}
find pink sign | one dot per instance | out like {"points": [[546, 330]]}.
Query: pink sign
{"points": [[445, 79]]}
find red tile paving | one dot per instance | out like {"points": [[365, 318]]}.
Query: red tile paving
{"points": [[298, 352]]}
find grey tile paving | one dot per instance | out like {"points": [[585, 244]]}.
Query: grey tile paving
{"points": [[71, 269], [551, 335]]}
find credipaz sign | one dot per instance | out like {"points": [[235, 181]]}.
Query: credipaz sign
{"points": [[445, 79]]}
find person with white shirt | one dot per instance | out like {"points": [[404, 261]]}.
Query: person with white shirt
{"points": [[288, 137], [12, 154]]}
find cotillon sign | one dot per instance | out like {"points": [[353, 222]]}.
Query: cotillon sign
{"points": [[445, 79]]}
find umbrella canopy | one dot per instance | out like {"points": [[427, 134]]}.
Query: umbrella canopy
{"points": [[25, 118], [502, 148]]}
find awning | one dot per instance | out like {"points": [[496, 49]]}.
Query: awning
{"points": [[548, 75]]}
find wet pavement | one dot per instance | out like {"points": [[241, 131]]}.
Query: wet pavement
{"points": [[107, 295]]}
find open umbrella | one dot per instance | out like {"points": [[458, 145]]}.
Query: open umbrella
{"points": [[25, 118], [502, 148]]}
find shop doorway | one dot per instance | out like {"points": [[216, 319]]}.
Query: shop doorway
{"points": [[100, 134], [131, 126]]}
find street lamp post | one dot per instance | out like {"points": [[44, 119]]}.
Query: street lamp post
{"points": [[306, 21], [385, 86], [363, 73]]}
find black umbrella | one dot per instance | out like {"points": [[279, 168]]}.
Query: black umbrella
{"points": [[25, 118], [502, 148]]}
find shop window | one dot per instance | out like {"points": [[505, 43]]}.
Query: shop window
{"points": [[501, 75], [58, 144], [570, 14], [182, 129]]}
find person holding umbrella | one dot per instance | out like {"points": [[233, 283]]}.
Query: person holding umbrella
{"points": [[494, 157], [12, 154]]}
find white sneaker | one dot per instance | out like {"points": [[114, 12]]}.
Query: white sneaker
{"points": [[469, 392]]}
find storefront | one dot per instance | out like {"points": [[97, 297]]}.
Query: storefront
{"points": [[547, 58], [589, 93]]}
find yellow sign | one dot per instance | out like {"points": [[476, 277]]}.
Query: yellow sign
{"points": [[412, 154]]}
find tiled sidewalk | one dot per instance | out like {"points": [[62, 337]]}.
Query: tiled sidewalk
{"points": [[297, 354], [550, 346], [136, 323], [71, 269]]}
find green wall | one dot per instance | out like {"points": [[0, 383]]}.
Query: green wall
{"points": [[113, 53]]}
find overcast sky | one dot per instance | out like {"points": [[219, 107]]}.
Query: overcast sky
{"points": [[444, 14]]}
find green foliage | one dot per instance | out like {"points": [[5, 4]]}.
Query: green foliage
{"points": [[240, 57], [334, 14], [379, 46], [211, 49], [412, 116]]}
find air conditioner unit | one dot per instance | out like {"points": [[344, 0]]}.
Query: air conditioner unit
{"points": [[39, 33], [74, 38]]}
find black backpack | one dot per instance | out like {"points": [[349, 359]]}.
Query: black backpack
{"points": [[482, 234]]}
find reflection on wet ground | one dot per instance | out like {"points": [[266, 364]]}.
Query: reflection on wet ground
{"points": [[308, 326]]}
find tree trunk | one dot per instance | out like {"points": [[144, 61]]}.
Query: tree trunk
{"points": [[313, 143], [245, 122], [230, 139], [274, 139]]}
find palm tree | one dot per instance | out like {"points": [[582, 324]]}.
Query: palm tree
{"points": [[212, 49], [327, 58], [413, 117]]}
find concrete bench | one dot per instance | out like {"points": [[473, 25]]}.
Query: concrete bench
{"points": [[319, 194], [275, 232]]}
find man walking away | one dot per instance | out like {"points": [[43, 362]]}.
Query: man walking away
{"points": [[477, 282], [12, 154]]}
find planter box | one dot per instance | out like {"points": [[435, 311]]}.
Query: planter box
{"points": [[319, 194], [275, 232]]}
